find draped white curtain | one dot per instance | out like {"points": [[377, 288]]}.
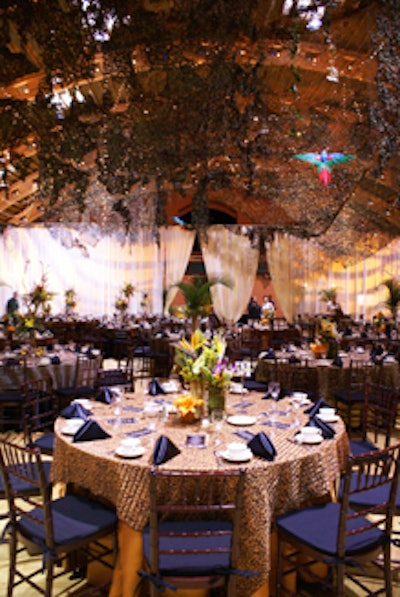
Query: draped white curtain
{"points": [[300, 271], [96, 267], [229, 255], [176, 246]]}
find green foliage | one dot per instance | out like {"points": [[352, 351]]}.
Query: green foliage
{"points": [[393, 300], [197, 294]]}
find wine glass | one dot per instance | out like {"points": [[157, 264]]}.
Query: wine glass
{"points": [[274, 389]]}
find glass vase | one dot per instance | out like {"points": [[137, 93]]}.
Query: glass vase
{"points": [[216, 398]]}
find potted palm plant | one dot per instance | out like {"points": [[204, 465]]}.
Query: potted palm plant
{"points": [[392, 301], [197, 296]]}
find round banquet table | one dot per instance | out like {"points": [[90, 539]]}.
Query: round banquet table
{"points": [[299, 474], [324, 377], [61, 375]]}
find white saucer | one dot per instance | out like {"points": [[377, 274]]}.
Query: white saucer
{"points": [[127, 452], [72, 429], [241, 457], [241, 420], [328, 418], [309, 439]]}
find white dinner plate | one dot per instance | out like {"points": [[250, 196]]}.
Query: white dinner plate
{"points": [[241, 457], [128, 452], [309, 439], [328, 418], [241, 420]]}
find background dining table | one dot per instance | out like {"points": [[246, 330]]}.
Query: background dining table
{"points": [[16, 369], [299, 474], [323, 376]]}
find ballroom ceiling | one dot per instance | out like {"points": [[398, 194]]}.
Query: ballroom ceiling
{"points": [[127, 113]]}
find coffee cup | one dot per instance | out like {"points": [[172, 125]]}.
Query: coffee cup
{"points": [[310, 431], [236, 448], [131, 442], [327, 411]]}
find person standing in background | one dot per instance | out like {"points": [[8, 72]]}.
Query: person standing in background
{"points": [[12, 308], [268, 310]]}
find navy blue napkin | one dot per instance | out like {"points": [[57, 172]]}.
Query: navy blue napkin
{"points": [[327, 431], [262, 446], [314, 408], [11, 362], [164, 450], [293, 359], [269, 354], [75, 411], [105, 395], [254, 386], [89, 431], [55, 360], [155, 388], [337, 362]]}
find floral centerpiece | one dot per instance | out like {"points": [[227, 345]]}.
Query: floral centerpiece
{"points": [[189, 407], [122, 301], [203, 363], [327, 339], [37, 304], [70, 300]]}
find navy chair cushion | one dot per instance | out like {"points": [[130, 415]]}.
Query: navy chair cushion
{"points": [[353, 397], [24, 486], [317, 527], [45, 443], [190, 564], [369, 497], [74, 517], [358, 447]]}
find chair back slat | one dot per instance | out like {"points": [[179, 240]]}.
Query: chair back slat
{"points": [[366, 473], [379, 412], [195, 496]]}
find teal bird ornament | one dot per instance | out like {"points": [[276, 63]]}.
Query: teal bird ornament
{"points": [[324, 162]]}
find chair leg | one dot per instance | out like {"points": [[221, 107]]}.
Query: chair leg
{"points": [[388, 570], [49, 577], [13, 560], [340, 573]]}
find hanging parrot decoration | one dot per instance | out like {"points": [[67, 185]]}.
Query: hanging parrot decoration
{"points": [[324, 162]]}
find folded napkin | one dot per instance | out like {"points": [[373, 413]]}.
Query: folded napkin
{"points": [[164, 450], [155, 388], [293, 359], [89, 431], [269, 354], [11, 362], [254, 386], [105, 395], [337, 362], [327, 431], [262, 446], [55, 360], [314, 408], [75, 411]]}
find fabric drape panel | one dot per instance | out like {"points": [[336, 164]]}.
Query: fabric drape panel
{"points": [[300, 271], [96, 270], [229, 255], [176, 246]]}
